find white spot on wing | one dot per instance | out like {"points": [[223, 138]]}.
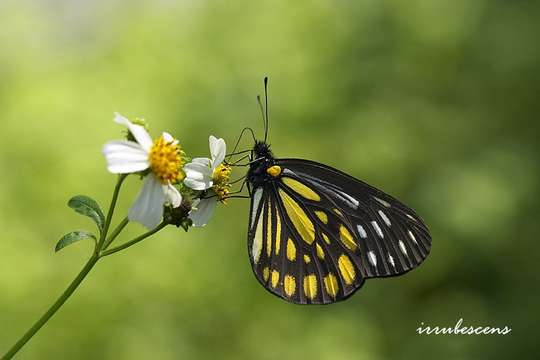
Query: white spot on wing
{"points": [[377, 229], [385, 218], [372, 258], [402, 247], [362, 231], [256, 200], [287, 172], [352, 201], [410, 217], [382, 202], [391, 260], [411, 235]]}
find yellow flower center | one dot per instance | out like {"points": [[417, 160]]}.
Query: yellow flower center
{"points": [[166, 161], [221, 177]]}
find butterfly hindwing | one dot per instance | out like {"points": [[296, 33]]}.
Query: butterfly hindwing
{"points": [[293, 255], [273, 257]]}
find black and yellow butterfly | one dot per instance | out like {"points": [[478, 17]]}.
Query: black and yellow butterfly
{"points": [[315, 233]]}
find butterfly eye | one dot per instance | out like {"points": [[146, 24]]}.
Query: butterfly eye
{"points": [[274, 171]]}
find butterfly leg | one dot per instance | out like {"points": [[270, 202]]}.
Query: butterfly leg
{"points": [[241, 186], [236, 163]]}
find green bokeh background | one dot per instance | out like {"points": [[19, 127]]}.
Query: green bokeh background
{"points": [[436, 102]]}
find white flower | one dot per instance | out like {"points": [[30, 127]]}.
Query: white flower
{"points": [[202, 211], [199, 172], [161, 156], [208, 174]]}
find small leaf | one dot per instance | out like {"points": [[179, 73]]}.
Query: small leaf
{"points": [[72, 237], [88, 207]]}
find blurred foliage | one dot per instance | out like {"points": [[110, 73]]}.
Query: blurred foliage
{"points": [[435, 102]]}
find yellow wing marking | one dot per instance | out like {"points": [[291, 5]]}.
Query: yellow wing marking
{"points": [[289, 284], [320, 252], [278, 233], [307, 259], [266, 273], [322, 216], [326, 238], [346, 238], [291, 250], [298, 217], [346, 268], [310, 286], [269, 231], [301, 189], [331, 285], [275, 278]]}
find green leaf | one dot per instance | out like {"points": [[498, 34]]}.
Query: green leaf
{"points": [[72, 237], [88, 207]]}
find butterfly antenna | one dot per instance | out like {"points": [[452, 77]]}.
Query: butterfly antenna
{"points": [[266, 107], [238, 142], [262, 114]]}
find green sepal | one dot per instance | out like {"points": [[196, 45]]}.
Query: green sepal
{"points": [[186, 223], [89, 207], [72, 237]]}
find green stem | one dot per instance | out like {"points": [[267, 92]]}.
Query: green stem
{"points": [[115, 233], [134, 241], [77, 281], [110, 213], [99, 252], [52, 310]]}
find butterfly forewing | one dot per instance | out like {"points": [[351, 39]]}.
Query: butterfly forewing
{"points": [[391, 237]]}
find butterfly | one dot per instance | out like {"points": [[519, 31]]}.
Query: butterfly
{"points": [[316, 234]]}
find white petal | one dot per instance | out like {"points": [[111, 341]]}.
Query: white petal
{"points": [[124, 157], [148, 208], [202, 160], [198, 176], [169, 138], [173, 195], [198, 185], [205, 210], [198, 171], [218, 150], [194, 204], [139, 132]]}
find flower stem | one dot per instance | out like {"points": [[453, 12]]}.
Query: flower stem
{"points": [[80, 277], [134, 241], [115, 233], [110, 213], [52, 310]]}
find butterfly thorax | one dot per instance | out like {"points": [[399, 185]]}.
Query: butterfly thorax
{"points": [[262, 161]]}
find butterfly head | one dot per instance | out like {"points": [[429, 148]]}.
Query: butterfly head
{"points": [[261, 149], [262, 168]]}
